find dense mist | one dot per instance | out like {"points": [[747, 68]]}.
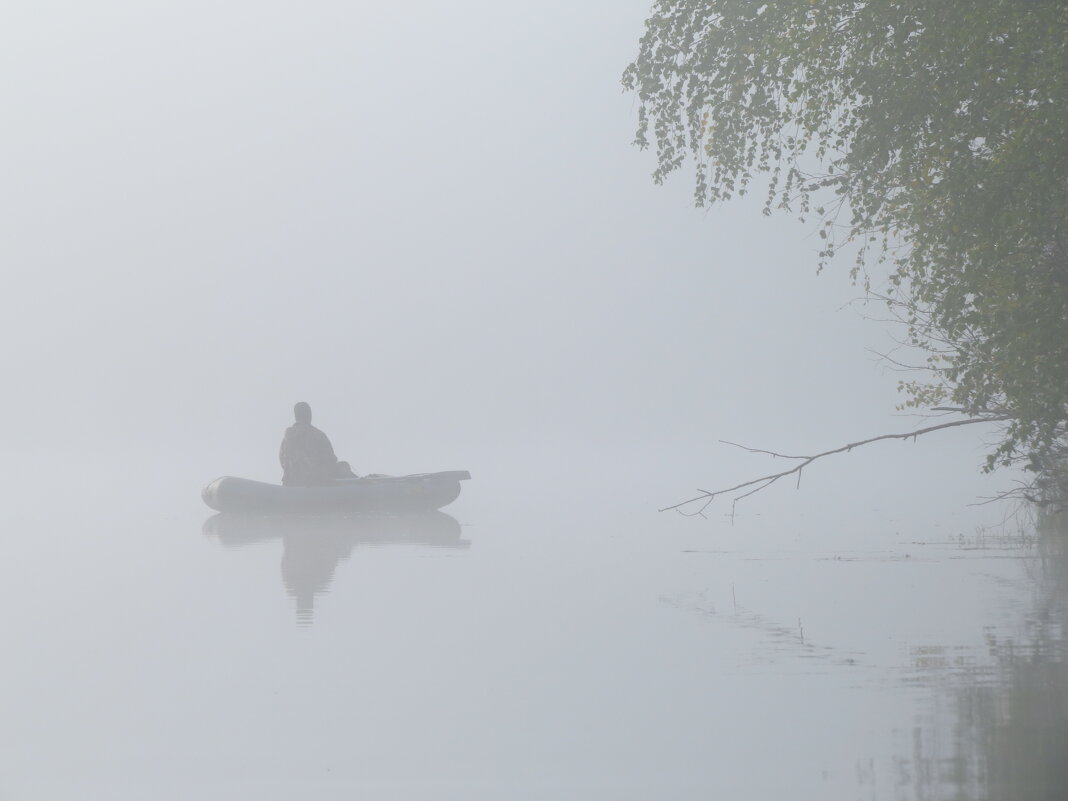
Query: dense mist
{"points": [[429, 222]]}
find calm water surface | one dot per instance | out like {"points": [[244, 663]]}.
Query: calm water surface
{"points": [[505, 648]]}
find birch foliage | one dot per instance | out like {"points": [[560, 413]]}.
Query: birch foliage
{"points": [[927, 139]]}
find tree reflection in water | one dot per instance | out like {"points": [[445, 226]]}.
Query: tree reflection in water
{"points": [[1000, 732], [313, 545]]}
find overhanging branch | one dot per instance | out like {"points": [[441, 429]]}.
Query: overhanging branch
{"points": [[755, 485]]}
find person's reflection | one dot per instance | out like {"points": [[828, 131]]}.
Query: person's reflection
{"points": [[313, 545], [309, 558]]}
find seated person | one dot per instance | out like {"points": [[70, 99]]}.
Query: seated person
{"points": [[306, 454]]}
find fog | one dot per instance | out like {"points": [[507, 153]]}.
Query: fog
{"points": [[428, 221]]}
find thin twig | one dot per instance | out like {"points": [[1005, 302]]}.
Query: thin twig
{"points": [[766, 481]]}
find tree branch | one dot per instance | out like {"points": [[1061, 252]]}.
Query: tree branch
{"points": [[755, 485]]}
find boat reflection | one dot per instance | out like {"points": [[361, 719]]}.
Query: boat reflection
{"points": [[313, 545]]}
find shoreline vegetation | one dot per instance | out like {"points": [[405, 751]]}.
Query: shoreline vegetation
{"points": [[924, 142]]}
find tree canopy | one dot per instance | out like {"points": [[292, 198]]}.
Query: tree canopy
{"points": [[930, 140]]}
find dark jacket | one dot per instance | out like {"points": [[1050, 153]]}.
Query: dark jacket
{"points": [[307, 457]]}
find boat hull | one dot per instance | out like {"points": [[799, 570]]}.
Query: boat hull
{"points": [[416, 493]]}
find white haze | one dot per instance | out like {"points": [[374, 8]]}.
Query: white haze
{"points": [[428, 221]]}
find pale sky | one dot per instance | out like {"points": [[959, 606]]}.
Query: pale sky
{"points": [[428, 221]]}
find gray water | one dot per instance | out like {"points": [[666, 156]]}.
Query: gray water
{"points": [[502, 649]]}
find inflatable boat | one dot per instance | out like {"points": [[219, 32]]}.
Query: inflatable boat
{"points": [[422, 492]]}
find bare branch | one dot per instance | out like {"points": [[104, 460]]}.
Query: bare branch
{"points": [[757, 484], [758, 450], [902, 365]]}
